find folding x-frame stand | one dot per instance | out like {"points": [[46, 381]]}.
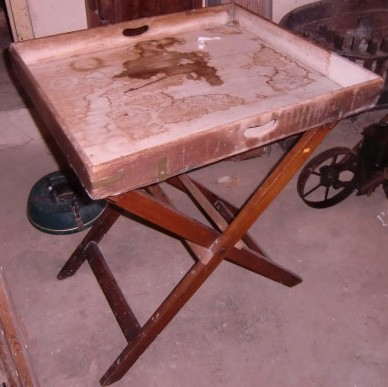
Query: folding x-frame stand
{"points": [[227, 240]]}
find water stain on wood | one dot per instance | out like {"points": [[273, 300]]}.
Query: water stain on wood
{"points": [[280, 72], [151, 114], [156, 59], [87, 64]]}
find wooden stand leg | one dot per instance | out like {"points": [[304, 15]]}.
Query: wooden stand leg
{"points": [[96, 233], [225, 209], [190, 283], [121, 310], [164, 216], [250, 259], [271, 187], [219, 249], [228, 240]]}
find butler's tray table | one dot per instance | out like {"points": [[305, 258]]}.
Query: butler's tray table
{"points": [[146, 101]]}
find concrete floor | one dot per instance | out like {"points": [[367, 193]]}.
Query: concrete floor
{"points": [[239, 329]]}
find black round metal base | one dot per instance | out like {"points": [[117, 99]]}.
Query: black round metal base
{"points": [[57, 204]]}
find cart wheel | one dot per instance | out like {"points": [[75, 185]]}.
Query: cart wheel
{"points": [[329, 177]]}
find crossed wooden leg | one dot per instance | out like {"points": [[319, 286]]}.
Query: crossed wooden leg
{"points": [[228, 240]]}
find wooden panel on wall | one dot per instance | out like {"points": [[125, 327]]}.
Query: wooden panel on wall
{"points": [[115, 11], [261, 7]]}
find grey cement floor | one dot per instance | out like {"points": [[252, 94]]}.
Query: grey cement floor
{"points": [[239, 329]]}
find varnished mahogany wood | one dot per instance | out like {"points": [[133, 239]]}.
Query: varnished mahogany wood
{"points": [[219, 243], [227, 210], [100, 228], [121, 310], [164, 216], [220, 248]]}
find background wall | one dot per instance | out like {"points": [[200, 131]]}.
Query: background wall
{"points": [[50, 17]]}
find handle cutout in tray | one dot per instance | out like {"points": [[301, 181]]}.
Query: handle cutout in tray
{"points": [[260, 130], [135, 31]]}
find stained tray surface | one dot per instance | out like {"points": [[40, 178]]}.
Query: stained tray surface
{"points": [[182, 97], [125, 100]]}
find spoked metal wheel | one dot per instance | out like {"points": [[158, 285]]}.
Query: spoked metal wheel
{"points": [[329, 177]]}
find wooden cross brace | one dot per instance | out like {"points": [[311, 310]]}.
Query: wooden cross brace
{"points": [[227, 239]]}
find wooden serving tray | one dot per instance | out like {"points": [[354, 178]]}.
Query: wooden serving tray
{"points": [[137, 102]]}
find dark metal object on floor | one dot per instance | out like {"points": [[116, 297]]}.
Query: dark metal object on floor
{"points": [[57, 204], [336, 173], [357, 30]]}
